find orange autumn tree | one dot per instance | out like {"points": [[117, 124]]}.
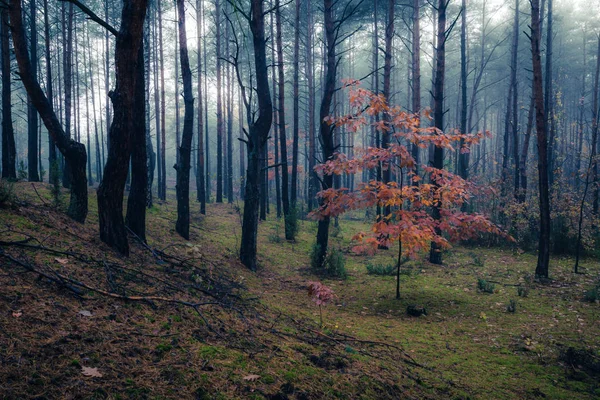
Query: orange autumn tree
{"points": [[410, 197]]}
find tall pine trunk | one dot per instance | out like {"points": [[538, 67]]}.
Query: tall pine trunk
{"points": [[73, 152], [542, 142], [435, 254], [183, 166], [258, 135], [111, 189], [9, 151]]}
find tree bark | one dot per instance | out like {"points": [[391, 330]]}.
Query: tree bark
{"points": [[219, 104], [463, 158], [9, 151], [258, 135], [542, 142], [111, 189], [73, 152], [416, 74], [68, 86], [138, 193], [200, 184], [285, 187], [183, 166], [32, 117], [163, 112], [296, 117], [325, 130], [435, 254]]}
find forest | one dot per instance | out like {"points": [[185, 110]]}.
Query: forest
{"points": [[294, 199]]}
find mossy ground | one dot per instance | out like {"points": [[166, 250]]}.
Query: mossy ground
{"points": [[468, 346]]}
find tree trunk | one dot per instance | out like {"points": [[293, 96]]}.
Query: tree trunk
{"points": [[183, 166], [163, 112], [285, 187], [127, 59], [548, 99], [9, 151], [258, 135], [200, 184], [73, 152], [416, 74], [310, 80], [138, 193], [435, 254], [463, 158], [296, 117], [32, 117], [52, 173], [68, 79], [150, 155], [515, 105], [219, 104], [325, 130], [540, 118]]}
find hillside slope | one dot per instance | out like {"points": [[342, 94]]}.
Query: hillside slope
{"points": [[185, 320]]}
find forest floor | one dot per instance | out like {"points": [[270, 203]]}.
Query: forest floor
{"points": [[185, 320]]}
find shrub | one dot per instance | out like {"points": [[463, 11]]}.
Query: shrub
{"points": [[523, 291], [274, 235], [477, 259], [511, 307], [55, 181], [291, 222], [381, 269], [592, 295], [334, 265], [485, 286], [22, 171], [7, 196]]}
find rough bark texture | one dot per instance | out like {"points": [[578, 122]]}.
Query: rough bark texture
{"points": [[73, 152], [542, 142], [325, 130], [463, 163], [285, 187], [294, 184], [416, 73], [138, 192], [110, 191], [68, 85], [183, 166], [219, 105], [435, 254], [32, 117], [200, 183], [9, 151], [258, 134]]}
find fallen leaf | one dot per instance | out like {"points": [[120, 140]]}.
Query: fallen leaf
{"points": [[93, 372], [251, 378], [85, 313], [17, 314], [62, 261]]}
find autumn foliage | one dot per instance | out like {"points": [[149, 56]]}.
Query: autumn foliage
{"points": [[408, 196]]}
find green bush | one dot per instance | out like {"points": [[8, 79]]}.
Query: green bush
{"points": [[381, 269], [274, 235], [291, 223], [592, 295], [485, 286], [511, 307], [523, 291], [22, 171], [7, 196], [55, 181], [333, 266], [477, 259]]}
